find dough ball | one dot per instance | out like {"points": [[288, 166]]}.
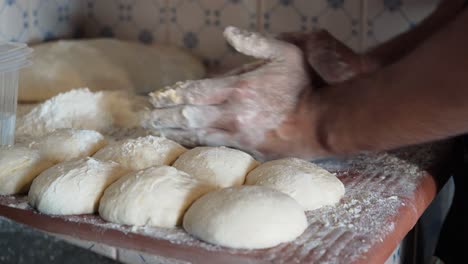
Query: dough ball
{"points": [[311, 186], [157, 196], [104, 64], [18, 167], [73, 187], [220, 166], [66, 144], [245, 217], [141, 153]]}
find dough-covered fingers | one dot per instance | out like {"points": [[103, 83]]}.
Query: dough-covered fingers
{"points": [[258, 46], [200, 92], [197, 137], [186, 117]]}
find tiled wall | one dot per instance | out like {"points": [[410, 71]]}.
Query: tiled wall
{"points": [[197, 24]]}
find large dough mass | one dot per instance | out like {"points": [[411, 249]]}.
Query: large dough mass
{"points": [[245, 217], [157, 196], [73, 187], [220, 166], [18, 167], [142, 152], [104, 64], [312, 186]]}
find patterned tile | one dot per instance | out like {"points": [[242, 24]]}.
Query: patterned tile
{"points": [[341, 18], [388, 18], [14, 20], [143, 20], [53, 19], [198, 25]]}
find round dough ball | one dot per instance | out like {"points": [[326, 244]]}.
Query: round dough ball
{"points": [[142, 152], [245, 217], [66, 144], [18, 167], [73, 187], [222, 167], [157, 196], [313, 187]]}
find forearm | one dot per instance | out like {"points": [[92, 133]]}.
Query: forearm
{"points": [[420, 98], [396, 48]]}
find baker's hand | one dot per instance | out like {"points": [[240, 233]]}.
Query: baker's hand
{"points": [[269, 109]]}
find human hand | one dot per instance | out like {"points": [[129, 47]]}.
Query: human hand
{"points": [[270, 109]]}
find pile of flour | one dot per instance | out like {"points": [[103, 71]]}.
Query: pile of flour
{"points": [[104, 111]]}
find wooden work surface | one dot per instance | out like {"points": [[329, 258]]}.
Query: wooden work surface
{"points": [[385, 196]]}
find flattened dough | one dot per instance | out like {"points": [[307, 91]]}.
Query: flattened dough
{"points": [[157, 196], [142, 152], [104, 64], [73, 187], [245, 217], [18, 167], [220, 166], [67, 144], [312, 186]]}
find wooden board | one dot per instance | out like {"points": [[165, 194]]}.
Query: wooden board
{"points": [[385, 195]]}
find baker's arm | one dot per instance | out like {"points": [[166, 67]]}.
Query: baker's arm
{"points": [[420, 98], [396, 48]]}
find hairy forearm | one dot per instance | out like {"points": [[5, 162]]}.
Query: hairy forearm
{"points": [[396, 48], [420, 98]]}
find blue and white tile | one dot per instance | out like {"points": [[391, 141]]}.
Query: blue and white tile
{"points": [[386, 19], [54, 19], [142, 20], [341, 18], [14, 20], [197, 25]]}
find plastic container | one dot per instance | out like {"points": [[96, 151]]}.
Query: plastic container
{"points": [[13, 57]]}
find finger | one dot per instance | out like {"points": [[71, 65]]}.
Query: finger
{"points": [[198, 137], [244, 68], [258, 46], [199, 92], [186, 117], [296, 38], [330, 58]]}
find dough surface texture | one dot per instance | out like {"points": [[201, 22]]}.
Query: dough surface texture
{"points": [[142, 152], [104, 64], [249, 217], [18, 167], [73, 187], [157, 196], [67, 144], [312, 186], [220, 166]]}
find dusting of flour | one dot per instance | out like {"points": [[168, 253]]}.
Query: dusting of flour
{"points": [[377, 186]]}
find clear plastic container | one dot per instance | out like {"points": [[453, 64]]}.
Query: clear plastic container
{"points": [[13, 57]]}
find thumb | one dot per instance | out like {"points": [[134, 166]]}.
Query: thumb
{"points": [[258, 46]]}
